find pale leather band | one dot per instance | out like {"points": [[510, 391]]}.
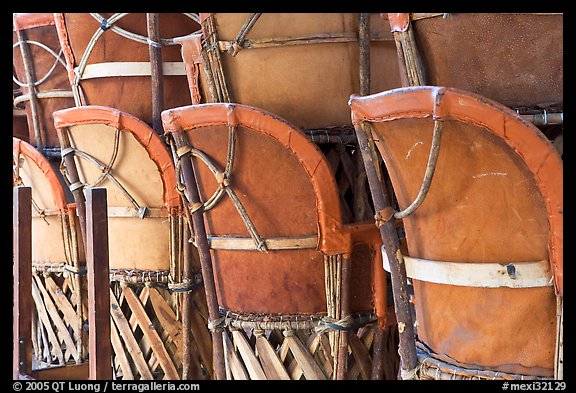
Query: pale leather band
{"points": [[111, 69], [120, 211], [472, 274], [247, 243], [44, 94]]}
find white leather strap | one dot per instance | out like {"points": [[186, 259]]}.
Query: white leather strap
{"points": [[238, 243], [521, 274], [104, 70]]}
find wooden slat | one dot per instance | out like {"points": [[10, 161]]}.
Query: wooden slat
{"points": [[120, 354], [361, 355], [151, 334], [43, 340], [323, 354], [34, 335], [70, 315], [100, 347], [61, 328], [271, 363], [166, 317], [309, 367], [43, 314], [201, 334], [250, 361], [22, 275], [313, 342], [235, 364], [143, 343], [324, 347], [284, 349], [129, 339], [68, 373]]}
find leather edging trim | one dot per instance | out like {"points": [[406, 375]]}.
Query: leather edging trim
{"points": [[22, 147], [539, 155], [399, 22], [65, 45], [145, 135], [333, 240]]}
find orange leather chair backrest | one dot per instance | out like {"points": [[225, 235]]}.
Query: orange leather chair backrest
{"points": [[495, 202], [47, 71], [108, 59], [272, 260], [301, 66], [50, 208], [516, 59]]}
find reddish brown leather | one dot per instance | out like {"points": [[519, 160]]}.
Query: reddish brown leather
{"points": [[513, 58], [496, 196], [24, 21], [129, 94], [40, 27], [326, 203], [20, 128], [142, 133], [288, 190], [308, 85], [398, 21]]}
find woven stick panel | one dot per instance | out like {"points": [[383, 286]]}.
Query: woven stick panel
{"points": [[147, 334], [57, 334], [301, 354]]}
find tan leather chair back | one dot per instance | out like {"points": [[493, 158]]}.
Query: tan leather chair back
{"points": [[123, 154], [495, 202]]}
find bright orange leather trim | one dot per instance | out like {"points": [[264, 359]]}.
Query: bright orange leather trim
{"points": [[332, 239], [21, 147], [540, 156], [399, 21], [65, 45], [142, 132]]}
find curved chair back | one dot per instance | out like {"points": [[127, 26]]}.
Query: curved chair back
{"points": [[38, 61], [281, 256], [302, 67], [485, 246], [108, 60], [115, 150], [281, 197], [57, 254], [512, 58]]}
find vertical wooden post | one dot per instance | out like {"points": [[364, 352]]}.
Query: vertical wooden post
{"points": [[364, 43], [341, 371], [361, 207], [99, 342], [189, 370], [22, 270], [205, 259], [74, 179], [155, 50], [391, 243], [30, 78]]}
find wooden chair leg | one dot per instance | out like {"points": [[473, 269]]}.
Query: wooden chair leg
{"points": [[22, 312], [99, 342]]}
